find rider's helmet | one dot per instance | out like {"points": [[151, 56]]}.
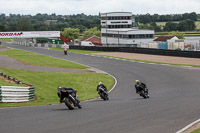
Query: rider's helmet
{"points": [[137, 81], [59, 87], [100, 83]]}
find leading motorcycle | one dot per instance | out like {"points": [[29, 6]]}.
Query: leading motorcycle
{"points": [[70, 97]]}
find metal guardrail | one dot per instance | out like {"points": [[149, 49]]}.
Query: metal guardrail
{"points": [[16, 94], [154, 51]]}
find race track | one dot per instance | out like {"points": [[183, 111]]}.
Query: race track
{"points": [[173, 104]]}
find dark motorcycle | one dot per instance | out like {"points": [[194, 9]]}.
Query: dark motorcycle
{"points": [[144, 93], [103, 94], [70, 98]]}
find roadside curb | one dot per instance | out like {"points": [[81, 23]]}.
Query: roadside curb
{"points": [[190, 126]]}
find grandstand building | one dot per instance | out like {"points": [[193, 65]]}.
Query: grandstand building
{"points": [[119, 30]]}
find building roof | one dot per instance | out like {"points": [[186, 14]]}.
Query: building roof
{"points": [[163, 38], [89, 37], [115, 12]]}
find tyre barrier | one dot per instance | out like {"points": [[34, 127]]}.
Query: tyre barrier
{"points": [[11, 79], [16, 94]]}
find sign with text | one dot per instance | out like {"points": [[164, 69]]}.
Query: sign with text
{"points": [[31, 34]]}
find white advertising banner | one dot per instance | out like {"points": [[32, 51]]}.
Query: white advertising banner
{"points": [[30, 34]]}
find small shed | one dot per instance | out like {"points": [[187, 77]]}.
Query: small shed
{"points": [[165, 38], [162, 41]]}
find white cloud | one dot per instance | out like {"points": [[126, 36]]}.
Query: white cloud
{"points": [[65, 7]]}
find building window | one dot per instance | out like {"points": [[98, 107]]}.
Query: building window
{"points": [[130, 36]]}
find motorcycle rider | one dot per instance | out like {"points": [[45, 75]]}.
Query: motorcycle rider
{"points": [[65, 51], [74, 93], [139, 86], [100, 84]]}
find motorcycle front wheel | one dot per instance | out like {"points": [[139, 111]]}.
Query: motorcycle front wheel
{"points": [[69, 103], [102, 95], [79, 104]]}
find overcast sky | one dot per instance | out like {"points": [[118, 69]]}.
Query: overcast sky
{"points": [[93, 7]]}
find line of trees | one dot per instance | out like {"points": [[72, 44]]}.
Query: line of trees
{"points": [[147, 18], [45, 22], [184, 25], [53, 22]]}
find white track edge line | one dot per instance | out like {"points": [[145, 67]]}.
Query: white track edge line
{"points": [[188, 126]]}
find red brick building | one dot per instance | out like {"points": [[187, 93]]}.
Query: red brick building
{"points": [[92, 38]]}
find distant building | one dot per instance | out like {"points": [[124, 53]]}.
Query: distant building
{"points": [[165, 38], [118, 31], [93, 39], [167, 42]]}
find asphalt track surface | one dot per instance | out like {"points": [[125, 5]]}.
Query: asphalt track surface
{"points": [[173, 104]]}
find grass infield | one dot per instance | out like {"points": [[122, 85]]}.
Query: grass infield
{"points": [[46, 83], [196, 131], [40, 60]]}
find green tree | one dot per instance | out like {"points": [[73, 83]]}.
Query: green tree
{"points": [[186, 25], [71, 33], [24, 25], [193, 16], [2, 27], [39, 26], [177, 17], [92, 31], [81, 27], [155, 17], [145, 18], [180, 35], [155, 27], [170, 26], [12, 26]]}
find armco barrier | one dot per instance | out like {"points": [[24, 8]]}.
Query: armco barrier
{"points": [[16, 94], [191, 54]]}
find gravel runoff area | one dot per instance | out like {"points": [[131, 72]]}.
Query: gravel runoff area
{"points": [[154, 58]]}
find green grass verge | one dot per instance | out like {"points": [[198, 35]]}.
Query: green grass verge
{"points": [[196, 131], [6, 40], [2, 46], [46, 84], [40, 60], [77, 51], [4, 83]]}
